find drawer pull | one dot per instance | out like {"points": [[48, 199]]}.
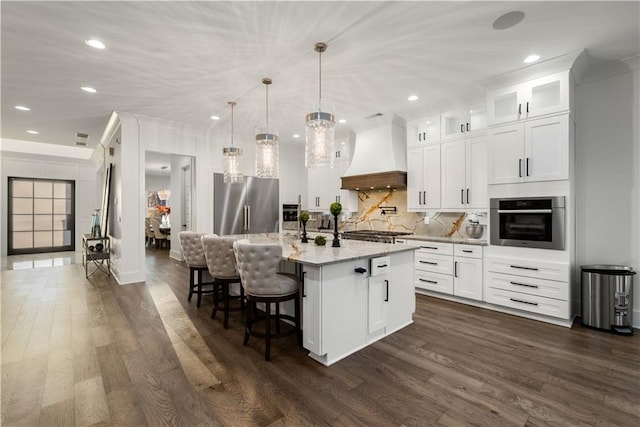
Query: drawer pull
{"points": [[523, 302], [428, 281], [428, 262], [524, 284], [524, 268], [429, 247], [383, 265], [467, 251]]}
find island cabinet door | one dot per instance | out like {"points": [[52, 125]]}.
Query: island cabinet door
{"points": [[401, 302], [311, 311], [378, 298]]}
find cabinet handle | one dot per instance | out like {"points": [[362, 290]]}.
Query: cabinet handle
{"points": [[461, 127], [524, 284], [424, 136], [519, 109], [429, 281], [429, 247], [462, 196], [360, 270], [428, 262], [304, 295], [527, 167], [467, 251], [419, 136], [455, 269], [419, 197], [467, 196], [527, 106], [523, 302], [424, 197], [467, 126], [524, 268], [387, 298], [520, 168], [383, 265]]}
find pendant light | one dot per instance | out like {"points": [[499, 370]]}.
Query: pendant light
{"points": [[267, 145], [320, 126], [232, 158]]}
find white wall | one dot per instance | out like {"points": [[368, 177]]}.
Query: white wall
{"points": [[156, 182], [608, 171], [30, 165]]}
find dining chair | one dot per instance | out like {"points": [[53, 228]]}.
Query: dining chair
{"points": [[258, 264], [148, 232], [159, 237], [221, 262], [193, 254]]}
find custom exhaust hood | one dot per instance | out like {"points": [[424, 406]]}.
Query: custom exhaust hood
{"points": [[380, 157]]}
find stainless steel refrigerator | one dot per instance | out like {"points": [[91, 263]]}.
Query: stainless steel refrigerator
{"points": [[250, 207]]}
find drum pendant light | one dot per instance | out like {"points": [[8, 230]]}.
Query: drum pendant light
{"points": [[232, 158], [267, 145], [319, 150]]}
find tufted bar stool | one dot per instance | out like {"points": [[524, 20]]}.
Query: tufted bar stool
{"points": [[221, 262], [194, 258], [258, 264]]}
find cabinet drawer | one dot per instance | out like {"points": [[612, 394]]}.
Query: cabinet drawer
{"points": [[529, 285], [558, 271], [380, 265], [435, 263], [532, 303], [470, 251], [433, 247], [434, 282]]}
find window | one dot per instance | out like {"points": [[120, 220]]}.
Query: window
{"points": [[41, 216]]}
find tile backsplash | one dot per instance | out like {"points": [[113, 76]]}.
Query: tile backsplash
{"points": [[376, 212]]}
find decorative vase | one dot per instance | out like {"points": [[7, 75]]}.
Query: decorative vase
{"points": [[95, 224], [164, 222], [304, 233], [336, 241]]}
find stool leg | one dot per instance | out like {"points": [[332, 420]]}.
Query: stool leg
{"points": [[249, 319], [267, 351], [277, 317], [297, 317], [216, 289], [225, 294], [242, 297], [191, 276], [199, 288]]}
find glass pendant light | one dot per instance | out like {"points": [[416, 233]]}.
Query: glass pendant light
{"points": [[267, 145], [320, 127], [232, 158]]}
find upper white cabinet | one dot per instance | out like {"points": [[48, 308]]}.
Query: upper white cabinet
{"points": [[323, 184], [543, 96], [423, 178], [423, 131], [464, 122], [537, 150], [464, 173]]}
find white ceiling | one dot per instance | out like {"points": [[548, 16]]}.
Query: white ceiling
{"points": [[184, 60]]}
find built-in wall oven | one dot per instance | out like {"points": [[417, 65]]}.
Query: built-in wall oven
{"points": [[289, 216], [531, 222]]}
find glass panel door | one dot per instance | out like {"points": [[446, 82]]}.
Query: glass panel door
{"points": [[41, 216]]}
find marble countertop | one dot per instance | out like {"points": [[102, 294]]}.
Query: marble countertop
{"points": [[309, 253], [458, 240]]}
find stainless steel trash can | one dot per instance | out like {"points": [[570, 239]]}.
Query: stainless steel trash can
{"points": [[607, 297]]}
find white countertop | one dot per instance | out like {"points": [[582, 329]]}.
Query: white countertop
{"points": [[458, 240], [312, 254]]}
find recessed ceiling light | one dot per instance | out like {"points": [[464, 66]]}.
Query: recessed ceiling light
{"points": [[95, 43], [215, 117], [508, 20], [295, 135], [531, 58], [88, 89], [33, 132], [342, 121], [22, 108], [412, 98]]}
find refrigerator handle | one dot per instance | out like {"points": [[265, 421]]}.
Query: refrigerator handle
{"points": [[248, 217], [244, 217]]}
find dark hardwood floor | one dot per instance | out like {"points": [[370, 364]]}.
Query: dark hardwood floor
{"points": [[91, 352]]}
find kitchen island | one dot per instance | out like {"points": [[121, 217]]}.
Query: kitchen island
{"points": [[353, 295]]}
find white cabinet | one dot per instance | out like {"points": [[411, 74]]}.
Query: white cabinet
{"points": [[453, 269], [311, 310], [423, 178], [535, 286], [467, 271], [464, 173], [463, 122], [543, 96], [323, 184], [378, 296], [423, 131], [537, 150]]}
